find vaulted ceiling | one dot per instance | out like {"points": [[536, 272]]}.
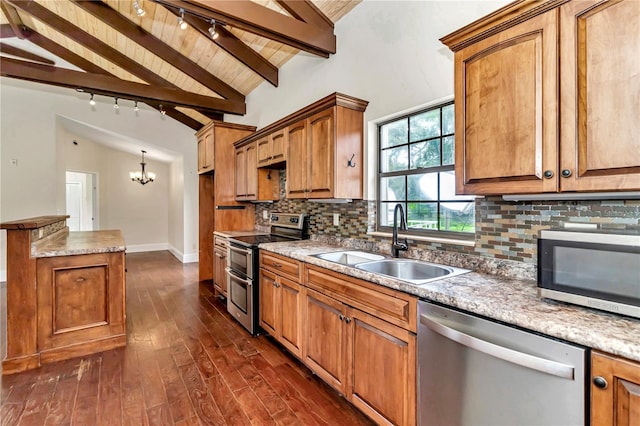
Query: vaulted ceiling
{"points": [[186, 73]]}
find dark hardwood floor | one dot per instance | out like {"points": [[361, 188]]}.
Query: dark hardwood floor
{"points": [[187, 362]]}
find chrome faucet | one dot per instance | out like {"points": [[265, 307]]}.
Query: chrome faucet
{"points": [[396, 246]]}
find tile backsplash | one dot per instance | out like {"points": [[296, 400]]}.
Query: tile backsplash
{"points": [[505, 230]]}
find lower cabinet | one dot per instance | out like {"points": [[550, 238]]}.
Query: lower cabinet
{"points": [[219, 265], [615, 391]]}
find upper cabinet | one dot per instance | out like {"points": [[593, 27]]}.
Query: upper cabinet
{"points": [[205, 148], [322, 145], [535, 113]]}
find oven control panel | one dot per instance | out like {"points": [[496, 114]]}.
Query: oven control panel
{"points": [[287, 220]]}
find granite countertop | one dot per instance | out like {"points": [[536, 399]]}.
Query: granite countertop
{"points": [[231, 234], [65, 243], [513, 301]]}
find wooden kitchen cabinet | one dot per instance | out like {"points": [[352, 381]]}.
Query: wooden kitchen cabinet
{"points": [[347, 343], [281, 300], [206, 154], [272, 149], [517, 84], [615, 390], [220, 264], [251, 183]]}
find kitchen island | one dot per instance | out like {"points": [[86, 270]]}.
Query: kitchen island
{"points": [[65, 292]]}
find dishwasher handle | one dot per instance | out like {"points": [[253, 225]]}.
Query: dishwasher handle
{"points": [[515, 357]]}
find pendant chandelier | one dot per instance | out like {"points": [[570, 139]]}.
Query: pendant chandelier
{"points": [[143, 177]]}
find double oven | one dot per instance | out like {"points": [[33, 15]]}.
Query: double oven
{"points": [[243, 266]]}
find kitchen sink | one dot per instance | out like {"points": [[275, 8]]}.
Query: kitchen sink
{"points": [[412, 271], [351, 257]]}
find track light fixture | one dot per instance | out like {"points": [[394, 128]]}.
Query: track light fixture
{"points": [[139, 10], [162, 111], [181, 22], [212, 30], [115, 103], [91, 101], [135, 106]]}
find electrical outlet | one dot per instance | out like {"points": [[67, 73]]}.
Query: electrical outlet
{"points": [[336, 219], [265, 214]]}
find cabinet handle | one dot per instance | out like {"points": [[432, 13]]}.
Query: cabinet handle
{"points": [[548, 174], [80, 279], [341, 317], [347, 320], [600, 382], [566, 173], [277, 265]]}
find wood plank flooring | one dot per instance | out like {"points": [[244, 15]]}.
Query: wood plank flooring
{"points": [[187, 362]]}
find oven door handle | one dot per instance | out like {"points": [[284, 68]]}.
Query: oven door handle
{"points": [[235, 277], [239, 250]]}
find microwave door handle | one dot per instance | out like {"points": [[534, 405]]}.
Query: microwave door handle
{"points": [[235, 277], [515, 357]]}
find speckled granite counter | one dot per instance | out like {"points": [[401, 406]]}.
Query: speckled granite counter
{"points": [[65, 243], [513, 301]]}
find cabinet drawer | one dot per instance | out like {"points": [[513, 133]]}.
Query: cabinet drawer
{"points": [[393, 306], [220, 242], [281, 265]]}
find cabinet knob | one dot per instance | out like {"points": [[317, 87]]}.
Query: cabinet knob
{"points": [[341, 317], [347, 320], [548, 174], [600, 382], [566, 173]]}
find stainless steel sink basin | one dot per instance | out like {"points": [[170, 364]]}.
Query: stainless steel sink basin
{"points": [[412, 271], [351, 257]]}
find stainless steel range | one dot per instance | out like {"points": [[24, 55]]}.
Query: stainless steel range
{"points": [[242, 266]]}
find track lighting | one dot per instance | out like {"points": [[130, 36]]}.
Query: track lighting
{"points": [[135, 106], [115, 103], [91, 101], [139, 10], [212, 30], [162, 111], [181, 22]]}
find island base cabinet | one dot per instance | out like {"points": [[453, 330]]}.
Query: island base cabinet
{"points": [[370, 361], [81, 305], [615, 391]]}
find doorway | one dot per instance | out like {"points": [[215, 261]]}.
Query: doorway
{"points": [[82, 201]]}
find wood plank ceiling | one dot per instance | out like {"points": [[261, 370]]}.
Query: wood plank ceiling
{"points": [[185, 73]]}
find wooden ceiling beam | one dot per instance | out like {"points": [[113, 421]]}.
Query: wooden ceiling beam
{"points": [[234, 46], [134, 32], [306, 11], [6, 31], [111, 86], [257, 19], [12, 16], [15, 51], [70, 30], [88, 66]]}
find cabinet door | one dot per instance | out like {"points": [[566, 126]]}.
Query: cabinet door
{"points": [[268, 302], [241, 174], [324, 350], [321, 145], [600, 87], [290, 311], [383, 369], [618, 402], [278, 146], [506, 110], [251, 170], [219, 265], [297, 160], [205, 152], [264, 152]]}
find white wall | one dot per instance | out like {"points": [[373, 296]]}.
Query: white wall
{"points": [[388, 53], [28, 134]]}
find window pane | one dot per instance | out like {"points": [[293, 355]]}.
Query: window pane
{"points": [[425, 154], [458, 216], [386, 214], [425, 125], [448, 150], [448, 120], [448, 188], [392, 188], [393, 134], [394, 159], [423, 187], [422, 216]]}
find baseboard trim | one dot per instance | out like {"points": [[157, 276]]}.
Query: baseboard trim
{"points": [[3, 275], [184, 258], [137, 248]]}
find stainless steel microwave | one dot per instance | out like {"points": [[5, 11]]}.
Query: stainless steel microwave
{"points": [[595, 268]]}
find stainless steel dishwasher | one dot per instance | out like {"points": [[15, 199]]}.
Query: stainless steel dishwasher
{"points": [[472, 371]]}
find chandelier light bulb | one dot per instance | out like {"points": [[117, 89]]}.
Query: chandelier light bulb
{"points": [[91, 101], [143, 176]]}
